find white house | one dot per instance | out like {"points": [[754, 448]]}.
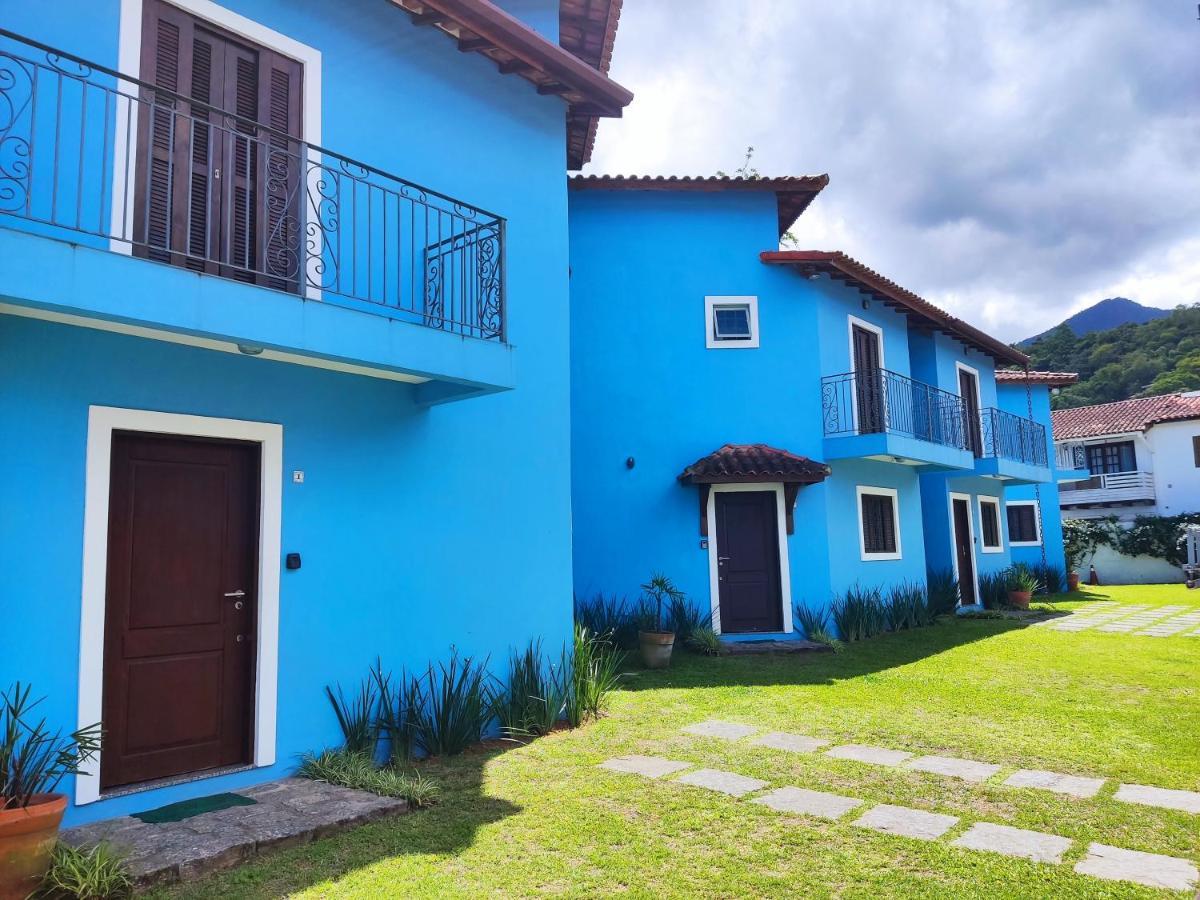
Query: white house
{"points": [[1142, 456]]}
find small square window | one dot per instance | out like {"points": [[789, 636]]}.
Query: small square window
{"points": [[1023, 529], [731, 322], [878, 523]]}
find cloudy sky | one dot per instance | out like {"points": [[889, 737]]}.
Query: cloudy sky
{"points": [[1011, 161]]}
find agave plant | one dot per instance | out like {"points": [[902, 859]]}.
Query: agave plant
{"points": [[941, 592], [33, 758], [356, 716], [401, 700], [859, 613], [533, 698], [456, 708], [595, 667]]}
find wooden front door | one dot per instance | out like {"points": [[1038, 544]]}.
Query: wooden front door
{"points": [[180, 606], [868, 381], [964, 552], [968, 389], [748, 577]]}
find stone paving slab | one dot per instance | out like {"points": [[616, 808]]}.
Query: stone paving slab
{"points": [[966, 769], [794, 743], [906, 822], [1186, 801], [723, 782], [1150, 869], [1035, 845], [878, 756], [288, 812], [648, 766], [808, 803], [729, 731], [1073, 785]]}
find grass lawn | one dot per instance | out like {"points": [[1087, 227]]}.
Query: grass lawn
{"points": [[542, 819]]}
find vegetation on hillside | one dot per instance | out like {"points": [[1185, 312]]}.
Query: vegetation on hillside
{"points": [[1158, 357]]}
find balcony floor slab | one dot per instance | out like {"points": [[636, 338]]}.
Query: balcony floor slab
{"points": [[927, 456]]}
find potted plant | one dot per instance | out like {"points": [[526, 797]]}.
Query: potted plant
{"points": [[33, 760], [655, 640], [1021, 583]]}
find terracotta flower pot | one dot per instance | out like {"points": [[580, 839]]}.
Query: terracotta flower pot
{"points": [[1020, 599], [1072, 581], [656, 647], [27, 836]]}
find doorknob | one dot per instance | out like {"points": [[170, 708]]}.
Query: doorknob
{"points": [[721, 559], [236, 594]]}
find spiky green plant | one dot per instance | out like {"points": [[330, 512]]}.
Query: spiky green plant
{"points": [[815, 624], [95, 873], [704, 640], [611, 617], [662, 593], [533, 698], [401, 700], [859, 613], [1052, 579], [358, 771], [993, 589], [908, 607], [33, 758], [941, 591], [685, 618], [595, 667], [456, 709], [357, 715], [1020, 577]]}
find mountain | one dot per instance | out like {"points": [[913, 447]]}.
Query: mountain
{"points": [[1156, 357], [1105, 315]]}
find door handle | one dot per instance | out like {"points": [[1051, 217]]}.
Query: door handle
{"points": [[721, 559], [236, 594]]}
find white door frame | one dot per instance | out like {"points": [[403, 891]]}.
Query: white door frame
{"points": [[102, 422], [877, 330], [970, 536], [785, 576]]}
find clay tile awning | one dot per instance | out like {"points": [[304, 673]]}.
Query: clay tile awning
{"points": [[753, 464]]}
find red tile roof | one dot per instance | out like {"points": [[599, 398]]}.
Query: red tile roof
{"points": [[1123, 416], [855, 274], [587, 28], [1050, 379], [753, 462], [793, 193]]}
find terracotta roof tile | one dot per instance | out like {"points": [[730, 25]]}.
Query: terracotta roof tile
{"points": [[1050, 379], [588, 29], [1123, 416], [753, 462]]}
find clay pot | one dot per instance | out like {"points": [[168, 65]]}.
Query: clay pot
{"points": [[656, 647], [27, 837], [1072, 581], [1020, 599]]}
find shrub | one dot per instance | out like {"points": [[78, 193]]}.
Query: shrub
{"points": [[98, 873], [595, 666], [34, 759], [1020, 577], [993, 589], [356, 716], [358, 771], [1051, 578], [1082, 537], [456, 710], [941, 591], [686, 618], [815, 623], [704, 640], [1157, 536], [907, 607], [859, 613], [400, 703], [613, 618], [533, 699]]}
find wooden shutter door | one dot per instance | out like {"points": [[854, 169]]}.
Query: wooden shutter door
{"points": [[279, 93]]}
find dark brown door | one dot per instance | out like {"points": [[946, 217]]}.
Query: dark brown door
{"points": [[968, 389], [964, 553], [179, 627], [215, 190], [748, 561], [868, 381]]}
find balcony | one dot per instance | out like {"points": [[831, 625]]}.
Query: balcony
{"points": [[1009, 447], [312, 256], [1116, 488], [877, 414], [1070, 462]]}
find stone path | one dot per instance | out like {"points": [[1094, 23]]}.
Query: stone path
{"points": [[288, 812], [1118, 618], [1074, 785], [1101, 860]]}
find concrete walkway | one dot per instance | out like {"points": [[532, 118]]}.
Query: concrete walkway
{"points": [[1121, 618], [285, 813]]}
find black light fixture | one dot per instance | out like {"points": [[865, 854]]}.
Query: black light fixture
{"points": [[866, 304], [250, 349], [630, 462]]}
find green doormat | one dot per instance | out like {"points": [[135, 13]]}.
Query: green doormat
{"points": [[185, 809]]}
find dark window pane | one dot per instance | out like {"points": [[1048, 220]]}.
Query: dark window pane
{"points": [[879, 526], [1022, 524], [991, 525], [731, 322], [1106, 459]]}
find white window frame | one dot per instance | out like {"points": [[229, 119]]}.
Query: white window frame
{"points": [[102, 422], [859, 492], [129, 61], [710, 306], [851, 321], [785, 572], [983, 545], [951, 497], [1037, 523]]}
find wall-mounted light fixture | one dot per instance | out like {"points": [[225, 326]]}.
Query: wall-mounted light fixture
{"points": [[250, 349], [630, 462]]}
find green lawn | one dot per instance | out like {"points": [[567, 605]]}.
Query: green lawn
{"points": [[542, 819]]}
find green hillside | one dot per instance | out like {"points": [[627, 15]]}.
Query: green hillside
{"points": [[1156, 357]]}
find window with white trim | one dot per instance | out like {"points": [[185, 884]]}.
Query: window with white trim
{"points": [[878, 523], [731, 322], [1024, 530], [989, 525]]}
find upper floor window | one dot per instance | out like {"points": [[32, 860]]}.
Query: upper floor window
{"points": [[1106, 459], [731, 322]]}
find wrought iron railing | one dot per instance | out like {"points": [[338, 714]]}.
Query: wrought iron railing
{"points": [[1009, 436], [877, 401], [1069, 456], [98, 157]]}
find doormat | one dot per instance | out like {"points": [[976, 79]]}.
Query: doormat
{"points": [[185, 809]]}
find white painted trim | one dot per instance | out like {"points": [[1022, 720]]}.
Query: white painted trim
{"points": [[1037, 523], [785, 571], [851, 321], [971, 537], [102, 422], [129, 62], [865, 489], [710, 304], [983, 546]]}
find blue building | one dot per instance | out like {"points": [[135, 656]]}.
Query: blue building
{"points": [[283, 360], [773, 427]]}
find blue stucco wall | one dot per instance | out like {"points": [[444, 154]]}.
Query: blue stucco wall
{"points": [[1012, 398]]}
